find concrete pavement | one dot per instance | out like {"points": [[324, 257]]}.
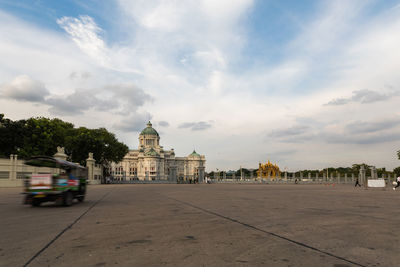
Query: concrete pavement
{"points": [[205, 225]]}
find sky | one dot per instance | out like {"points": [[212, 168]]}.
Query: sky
{"points": [[304, 84]]}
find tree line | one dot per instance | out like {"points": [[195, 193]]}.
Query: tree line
{"points": [[41, 136]]}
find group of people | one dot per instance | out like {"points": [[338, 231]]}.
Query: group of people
{"points": [[394, 188]]}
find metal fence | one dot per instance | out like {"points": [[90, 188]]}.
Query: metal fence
{"points": [[140, 182], [299, 180]]}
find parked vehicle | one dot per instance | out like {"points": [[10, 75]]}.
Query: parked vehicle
{"points": [[68, 182]]}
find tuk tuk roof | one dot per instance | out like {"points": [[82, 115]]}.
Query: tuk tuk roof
{"points": [[51, 162]]}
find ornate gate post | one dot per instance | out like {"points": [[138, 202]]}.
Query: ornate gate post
{"points": [[363, 176]]}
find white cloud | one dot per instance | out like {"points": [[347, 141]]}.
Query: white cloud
{"points": [[123, 99], [365, 96], [163, 123], [375, 131], [134, 122], [175, 64], [205, 33], [24, 88], [85, 33], [41, 54], [196, 126], [334, 21], [75, 103], [79, 75], [376, 125], [118, 99]]}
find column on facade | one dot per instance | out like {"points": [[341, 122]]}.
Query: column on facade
{"points": [[90, 162], [185, 170], [148, 163], [157, 169], [171, 173], [162, 169], [175, 174], [146, 175]]}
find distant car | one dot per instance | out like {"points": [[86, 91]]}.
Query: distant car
{"points": [[61, 187]]}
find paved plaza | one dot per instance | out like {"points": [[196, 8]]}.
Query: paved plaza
{"points": [[205, 225]]}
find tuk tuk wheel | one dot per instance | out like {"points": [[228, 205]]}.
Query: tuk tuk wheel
{"points": [[68, 198], [81, 198], [35, 202]]}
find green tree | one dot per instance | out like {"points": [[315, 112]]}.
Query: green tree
{"points": [[42, 136], [381, 171], [356, 168], [11, 136], [103, 144], [246, 172], [397, 171]]}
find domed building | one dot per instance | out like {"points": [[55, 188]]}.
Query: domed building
{"points": [[151, 162]]}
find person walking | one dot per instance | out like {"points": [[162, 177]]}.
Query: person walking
{"points": [[357, 183], [398, 183]]}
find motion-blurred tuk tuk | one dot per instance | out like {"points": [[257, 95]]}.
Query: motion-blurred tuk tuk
{"points": [[68, 182]]}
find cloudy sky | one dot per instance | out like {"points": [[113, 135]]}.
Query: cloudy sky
{"points": [[306, 84]]}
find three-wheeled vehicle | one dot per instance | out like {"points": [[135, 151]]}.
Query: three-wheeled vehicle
{"points": [[66, 182]]}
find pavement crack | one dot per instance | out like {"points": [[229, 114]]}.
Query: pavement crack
{"points": [[66, 229], [267, 232]]}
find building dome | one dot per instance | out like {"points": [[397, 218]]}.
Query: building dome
{"points": [[149, 130], [195, 154]]}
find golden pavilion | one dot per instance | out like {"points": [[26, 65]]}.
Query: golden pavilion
{"points": [[268, 170]]}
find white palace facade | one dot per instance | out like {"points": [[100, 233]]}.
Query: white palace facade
{"points": [[151, 162]]}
